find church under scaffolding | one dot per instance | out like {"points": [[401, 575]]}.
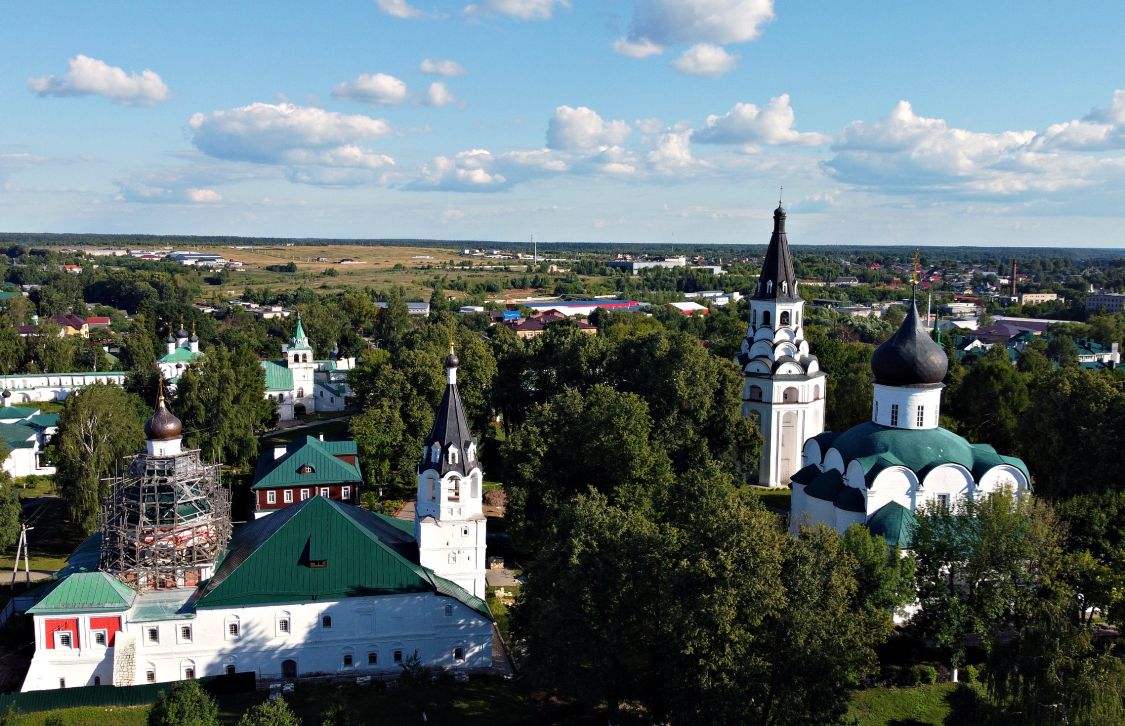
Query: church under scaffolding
{"points": [[168, 517]]}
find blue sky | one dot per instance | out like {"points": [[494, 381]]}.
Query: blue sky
{"points": [[649, 120]]}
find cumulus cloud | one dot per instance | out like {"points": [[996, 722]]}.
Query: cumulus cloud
{"points": [[446, 68], [399, 9], [583, 128], [704, 59], [467, 171], [438, 95], [672, 152], [309, 142], [517, 9], [660, 23], [376, 88], [147, 193], [1101, 129], [748, 124], [89, 76], [642, 48]]}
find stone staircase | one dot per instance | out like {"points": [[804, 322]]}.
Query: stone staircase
{"points": [[124, 659]]}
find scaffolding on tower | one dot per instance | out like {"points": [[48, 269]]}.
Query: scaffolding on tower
{"points": [[165, 521]]}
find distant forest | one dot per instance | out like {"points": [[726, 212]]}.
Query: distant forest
{"points": [[930, 253]]}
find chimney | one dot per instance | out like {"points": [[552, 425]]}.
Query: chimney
{"points": [[1013, 278], [278, 452], [322, 437]]}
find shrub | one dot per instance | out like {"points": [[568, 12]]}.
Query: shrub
{"points": [[270, 713], [927, 674], [971, 674], [187, 704]]}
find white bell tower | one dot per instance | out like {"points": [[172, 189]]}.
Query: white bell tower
{"points": [[449, 521], [783, 384], [299, 359]]}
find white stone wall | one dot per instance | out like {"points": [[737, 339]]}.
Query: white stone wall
{"points": [[433, 625], [907, 400]]}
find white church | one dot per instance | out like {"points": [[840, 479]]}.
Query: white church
{"points": [[319, 587], [880, 472]]}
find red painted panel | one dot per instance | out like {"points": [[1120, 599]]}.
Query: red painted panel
{"points": [[60, 625], [110, 625]]}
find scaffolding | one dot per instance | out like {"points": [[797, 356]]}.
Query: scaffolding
{"points": [[165, 521]]}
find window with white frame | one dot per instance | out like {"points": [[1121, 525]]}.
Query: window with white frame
{"points": [[185, 633], [271, 497], [187, 670], [325, 491], [894, 414], [398, 656], [283, 628], [287, 496], [348, 659], [101, 637], [920, 419], [64, 639], [453, 455], [448, 610], [150, 673], [304, 494], [152, 635], [943, 501], [234, 628], [345, 493]]}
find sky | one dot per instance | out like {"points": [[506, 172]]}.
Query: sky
{"points": [[885, 122]]}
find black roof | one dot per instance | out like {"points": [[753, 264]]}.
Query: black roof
{"points": [[451, 428], [909, 357], [778, 265]]}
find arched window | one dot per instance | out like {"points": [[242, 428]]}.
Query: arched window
{"points": [[766, 318], [755, 393], [790, 395], [785, 317], [435, 452], [470, 453], [453, 455], [816, 392], [300, 393], [306, 469], [769, 287], [474, 491], [187, 669], [784, 287]]}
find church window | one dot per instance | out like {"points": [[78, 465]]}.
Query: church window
{"points": [[326, 621], [755, 393], [398, 656], [769, 287], [755, 318], [300, 393], [185, 633], [373, 658], [187, 669], [99, 637], [435, 453], [347, 660], [153, 635], [453, 455], [283, 623], [766, 318], [920, 420], [458, 654], [150, 675], [97, 680], [943, 501], [453, 558], [64, 640], [448, 611], [785, 317], [470, 453], [475, 493], [876, 416], [790, 395], [894, 414], [816, 393], [231, 669], [433, 490], [62, 683], [455, 492], [232, 628]]}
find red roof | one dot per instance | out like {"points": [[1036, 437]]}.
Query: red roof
{"points": [[97, 320]]}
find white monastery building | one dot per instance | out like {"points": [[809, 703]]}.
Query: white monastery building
{"points": [[164, 593], [784, 386], [878, 473]]}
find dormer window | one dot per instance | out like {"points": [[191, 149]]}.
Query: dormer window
{"points": [[453, 455], [470, 453], [769, 287], [784, 288], [435, 453], [305, 469]]}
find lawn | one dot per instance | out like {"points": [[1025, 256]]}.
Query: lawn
{"points": [[940, 703]]}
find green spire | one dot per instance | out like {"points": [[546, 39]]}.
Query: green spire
{"points": [[300, 334]]}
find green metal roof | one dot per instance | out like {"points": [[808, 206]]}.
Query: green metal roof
{"points": [[20, 412], [85, 592], [45, 420], [894, 523], [805, 475], [850, 499], [917, 449], [18, 435], [9, 294], [268, 560], [406, 525], [320, 456], [826, 485], [278, 377], [180, 355]]}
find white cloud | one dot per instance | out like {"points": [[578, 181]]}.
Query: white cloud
{"points": [[669, 22], [747, 124], [582, 128], [399, 9], [1101, 129], [672, 152], [204, 195], [149, 193], [518, 9], [468, 171], [376, 88], [438, 95], [642, 48], [90, 76], [446, 68], [313, 145], [704, 59]]}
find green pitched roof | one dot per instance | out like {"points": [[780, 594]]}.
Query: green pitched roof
{"points": [[320, 456], [826, 485], [7, 412], [85, 592], [278, 377], [269, 560], [300, 340], [18, 435], [180, 355], [894, 523], [45, 420], [9, 294]]}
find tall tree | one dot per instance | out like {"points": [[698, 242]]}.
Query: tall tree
{"points": [[186, 704], [221, 400], [99, 425], [991, 401]]}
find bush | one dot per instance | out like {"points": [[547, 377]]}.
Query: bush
{"points": [[927, 674], [187, 704], [971, 674], [270, 713]]}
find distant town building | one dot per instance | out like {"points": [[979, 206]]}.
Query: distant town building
{"points": [[635, 266], [689, 308], [1035, 298], [1111, 302]]}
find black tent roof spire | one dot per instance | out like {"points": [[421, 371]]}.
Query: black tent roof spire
{"points": [[778, 280], [450, 430]]}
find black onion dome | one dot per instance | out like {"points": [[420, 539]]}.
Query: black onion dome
{"points": [[451, 361], [170, 339], [7, 393], [909, 357], [778, 279], [163, 426]]}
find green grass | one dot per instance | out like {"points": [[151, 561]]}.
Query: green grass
{"points": [[29, 487], [46, 563], [774, 499], [88, 716], [918, 705]]}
